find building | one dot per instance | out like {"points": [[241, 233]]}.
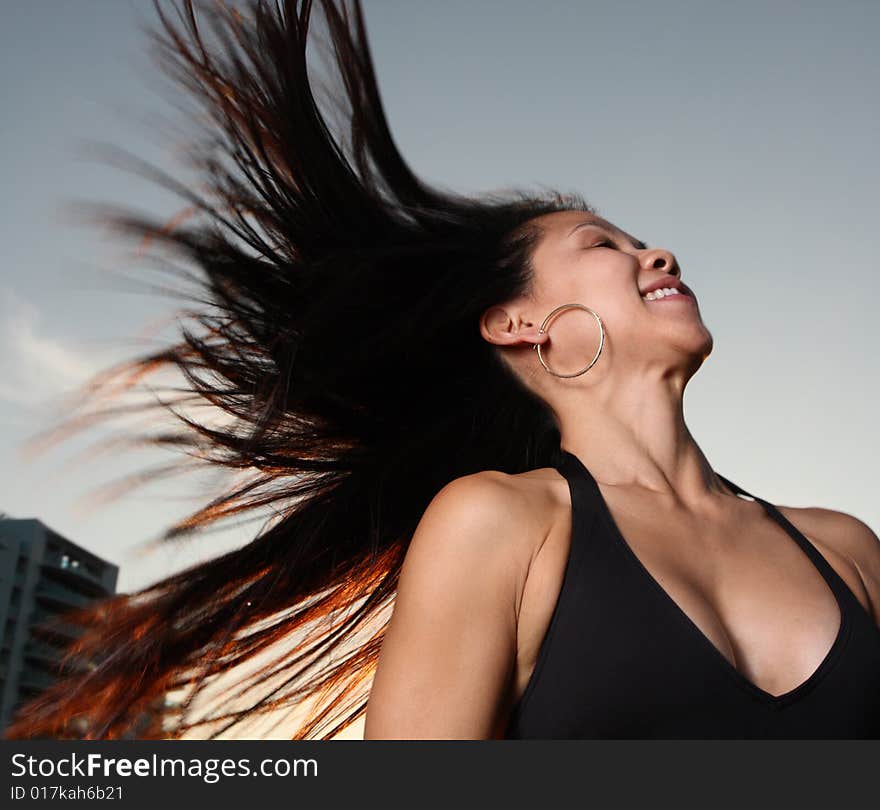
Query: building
{"points": [[42, 574]]}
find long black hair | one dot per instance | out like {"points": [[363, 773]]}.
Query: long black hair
{"points": [[335, 331]]}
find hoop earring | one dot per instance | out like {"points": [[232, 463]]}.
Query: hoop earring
{"points": [[543, 329]]}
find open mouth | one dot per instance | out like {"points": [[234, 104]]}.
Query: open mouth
{"points": [[670, 294]]}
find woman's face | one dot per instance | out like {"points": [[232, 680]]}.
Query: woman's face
{"points": [[582, 258]]}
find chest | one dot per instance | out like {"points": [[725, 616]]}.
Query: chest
{"points": [[738, 586], [728, 629]]}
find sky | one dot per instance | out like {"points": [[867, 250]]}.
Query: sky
{"points": [[740, 136]]}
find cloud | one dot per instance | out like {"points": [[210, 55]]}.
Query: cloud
{"points": [[35, 365], [38, 369]]}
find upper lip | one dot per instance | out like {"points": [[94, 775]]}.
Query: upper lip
{"points": [[667, 281]]}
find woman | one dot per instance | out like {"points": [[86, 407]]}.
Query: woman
{"points": [[415, 383], [630, 592]]}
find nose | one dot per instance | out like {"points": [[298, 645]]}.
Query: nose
{"points": [[661, 259]]}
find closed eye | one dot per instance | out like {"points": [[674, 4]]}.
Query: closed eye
{"points": [[604, 244]]}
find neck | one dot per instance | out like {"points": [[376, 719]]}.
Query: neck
{"points": [[632, 433]]}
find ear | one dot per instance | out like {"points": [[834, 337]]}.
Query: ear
{"points": [[506, 327]]}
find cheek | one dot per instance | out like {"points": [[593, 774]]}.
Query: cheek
{"points": [[609, 290], [570, 286], [573, 329], [546, 298], [609, 295]]}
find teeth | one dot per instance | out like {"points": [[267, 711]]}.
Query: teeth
{"points": [[663, 291]]}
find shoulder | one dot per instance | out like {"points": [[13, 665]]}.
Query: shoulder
{"points": [[491, 516], [451, 642], [847, 536], [495, 499], [842, 531], [499, 511], [487, 498]]}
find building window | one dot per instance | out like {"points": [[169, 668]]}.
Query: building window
{"points": [[69, 562]]}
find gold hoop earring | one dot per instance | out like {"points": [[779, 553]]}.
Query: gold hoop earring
{"points": [[543, 329]]}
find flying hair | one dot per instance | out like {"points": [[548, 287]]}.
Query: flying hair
{"points": [[331, 342]]}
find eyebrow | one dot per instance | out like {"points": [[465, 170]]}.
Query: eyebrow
{"points": [[636, 242]]}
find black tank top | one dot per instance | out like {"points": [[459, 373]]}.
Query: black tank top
{"points": [[621, 659]]}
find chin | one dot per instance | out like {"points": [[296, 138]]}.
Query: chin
{"points": [[697, 350], [707, 346], [705, 349]]}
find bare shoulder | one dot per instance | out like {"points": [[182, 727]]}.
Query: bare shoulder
{"points": [[510, 517], [450, 647], [511, 510], [847, 536]]}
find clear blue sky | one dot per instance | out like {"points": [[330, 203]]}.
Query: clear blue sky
{"points": [[742, 136]]}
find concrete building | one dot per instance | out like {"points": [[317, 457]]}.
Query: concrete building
{"points": [[42, 574]]}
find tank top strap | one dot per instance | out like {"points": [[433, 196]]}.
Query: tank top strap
{"points": [[585, 508], [572, 468], [840, 589], [584, 490], [736, 487], [587, 495]]}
